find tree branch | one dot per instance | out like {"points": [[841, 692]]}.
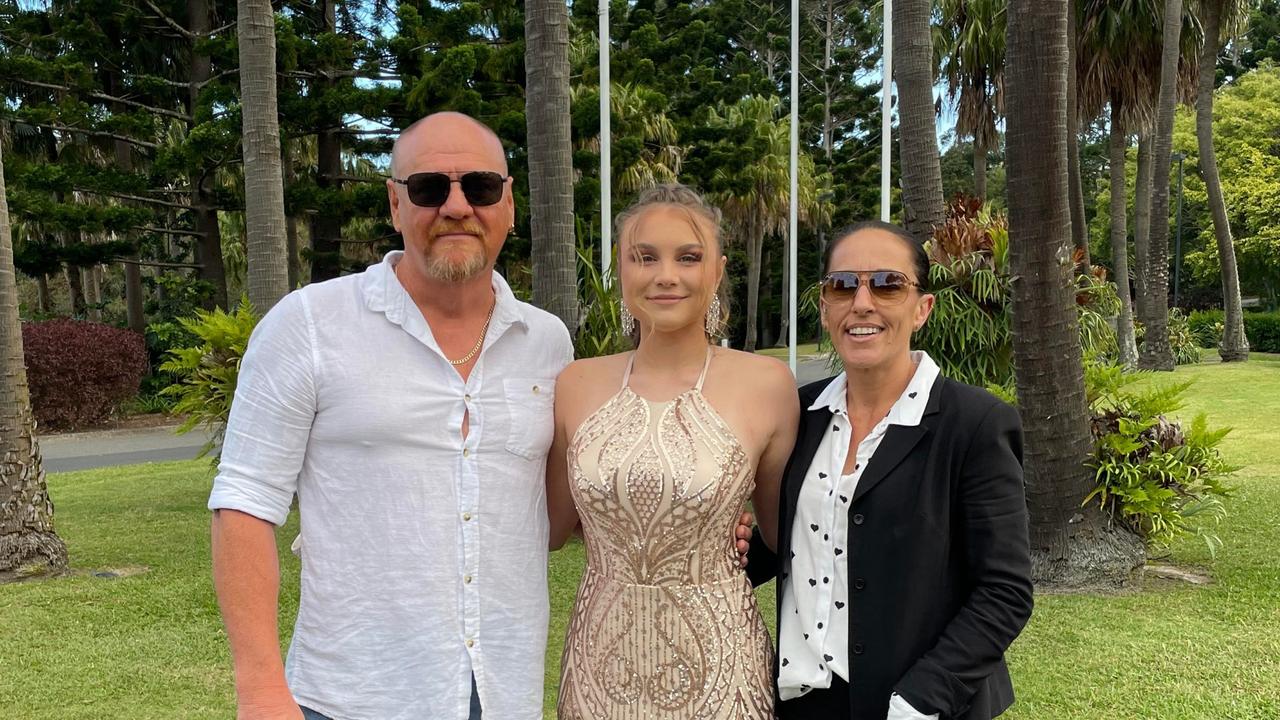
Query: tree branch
{"points": [[135, 198], [169, 231], [154, 263], [170, 21], [94, 133], [110, 98]]}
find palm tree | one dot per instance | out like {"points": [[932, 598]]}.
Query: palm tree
{"points": [[1079, 233], [1071, 544], [265, 244], [28, 543], [546, 62], [755, 201], [637, 113], [1157, 354], [920, 162], [1118, 64], [1218, 16], [972, 50]]}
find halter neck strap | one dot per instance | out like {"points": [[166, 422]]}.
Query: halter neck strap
{"points": [[706, 364], [631, 361]]}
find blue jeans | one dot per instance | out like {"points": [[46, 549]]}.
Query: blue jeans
{"points": [[309, 714]]}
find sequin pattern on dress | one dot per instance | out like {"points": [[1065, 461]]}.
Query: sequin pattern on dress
{"points": [[665, 624]]}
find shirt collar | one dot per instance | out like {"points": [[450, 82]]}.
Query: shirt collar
{"points": [[383, 293], [908, 409]]}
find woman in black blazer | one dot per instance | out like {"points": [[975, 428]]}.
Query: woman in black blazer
{"points": [[903, 564]]}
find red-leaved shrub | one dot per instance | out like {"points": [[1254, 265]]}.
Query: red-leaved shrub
{"points": [[79, 372]]}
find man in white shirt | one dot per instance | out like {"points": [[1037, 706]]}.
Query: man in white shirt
{"points": [[409, 407]]}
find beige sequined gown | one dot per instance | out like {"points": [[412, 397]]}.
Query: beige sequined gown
{"points": [[665, 625]]}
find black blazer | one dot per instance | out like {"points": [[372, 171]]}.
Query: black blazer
{"points": [[939, 564]]}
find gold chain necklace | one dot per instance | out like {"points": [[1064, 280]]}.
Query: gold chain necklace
{"points": [[479, 341]]}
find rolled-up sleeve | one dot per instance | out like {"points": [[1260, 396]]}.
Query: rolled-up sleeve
{"points": [[271, 416]]}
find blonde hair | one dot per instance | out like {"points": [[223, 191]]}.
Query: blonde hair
{"points": [[698, 212]]}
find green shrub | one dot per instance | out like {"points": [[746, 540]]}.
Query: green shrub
{"points": [[80, 372], [1161, 479], [1206, 327], [1186, 351], [1263, 331], [207, 371]]}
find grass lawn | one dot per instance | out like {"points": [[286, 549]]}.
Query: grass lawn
{"points": [[781, 352], [151, 645]]}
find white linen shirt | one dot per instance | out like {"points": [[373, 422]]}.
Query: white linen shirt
{"points": [[813, 636], [424, 554]]}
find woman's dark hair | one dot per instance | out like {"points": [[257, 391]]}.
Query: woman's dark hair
{"points": [[919, 256]]}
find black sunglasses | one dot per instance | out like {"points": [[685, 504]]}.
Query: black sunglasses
{"points": [[887, 286], [431, 189]]}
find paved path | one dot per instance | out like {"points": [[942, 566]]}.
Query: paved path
{"points": [[108, 448]]}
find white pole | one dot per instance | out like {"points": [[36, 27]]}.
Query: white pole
{"points": [[793, 228], [606, 142], [886, 110]]}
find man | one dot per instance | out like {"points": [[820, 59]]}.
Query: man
{"points": [[410, 409]]}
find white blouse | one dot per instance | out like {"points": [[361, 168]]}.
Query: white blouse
{"points": [[813, 635]]}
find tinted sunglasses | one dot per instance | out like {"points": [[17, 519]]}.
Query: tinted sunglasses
{"points": [[431, 189], [889, 287]]}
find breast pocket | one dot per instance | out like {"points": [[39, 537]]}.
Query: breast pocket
{"points": [[531, 413]]}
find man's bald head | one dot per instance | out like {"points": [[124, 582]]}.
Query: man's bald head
{"points": [[449, 131]]}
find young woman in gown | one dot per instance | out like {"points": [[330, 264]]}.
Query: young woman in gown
{"points": [[664, 446]]}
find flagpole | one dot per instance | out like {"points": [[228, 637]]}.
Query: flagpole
{"points": [[793, 220], [606, 142], [886, 111]]}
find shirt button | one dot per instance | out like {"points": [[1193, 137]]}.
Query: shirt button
{"points": [[466, 516], [859, 584], [467, 397], [535, 389], [467, 579], [466, 452], [857, 519], [472, 643], [857, 648]]}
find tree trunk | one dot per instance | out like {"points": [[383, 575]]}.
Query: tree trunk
{"points": [[1071, 545], [1142, 223], [326, 225], [133, 304], [922, 202], [1079, 232], [291, 222], [268, 268], [784, 311], [1234, 347], [1120, 239], [980, 170], [1156, 353], [93, 279], [555, 259], [28, 544], [205, 213], [44, 300], [755, 247]]}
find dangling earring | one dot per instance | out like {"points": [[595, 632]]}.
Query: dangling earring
{"points": [[713, 316], [628, 321]]}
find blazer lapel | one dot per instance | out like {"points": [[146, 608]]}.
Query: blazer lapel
{"points": [[812, 426], [898, 442]]}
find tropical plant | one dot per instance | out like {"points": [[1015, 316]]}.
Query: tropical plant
{"points": [[207, 372], [1159, 478], [600, 331]]}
